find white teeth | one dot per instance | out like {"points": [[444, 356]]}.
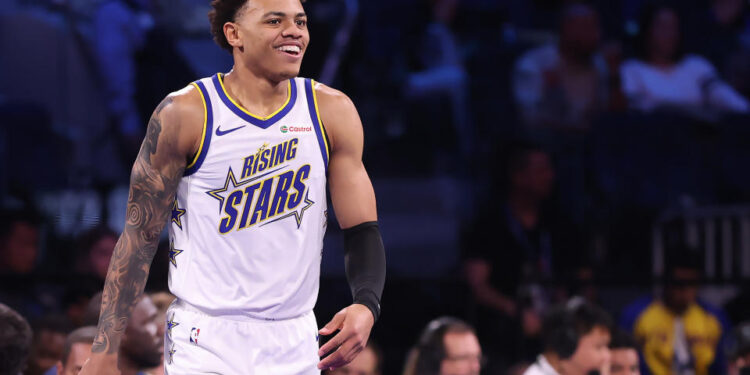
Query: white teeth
{"points": [[294, 49]]}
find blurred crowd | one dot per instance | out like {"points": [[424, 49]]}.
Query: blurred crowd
{"points": [[553, 154]]}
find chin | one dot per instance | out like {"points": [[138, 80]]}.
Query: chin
{"points": [[288, 73], [149, 359]]}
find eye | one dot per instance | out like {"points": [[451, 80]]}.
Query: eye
{"points": [[274, 21], [301, 22]]}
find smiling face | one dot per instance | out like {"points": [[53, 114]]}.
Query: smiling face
{"points": [[269, 37]]}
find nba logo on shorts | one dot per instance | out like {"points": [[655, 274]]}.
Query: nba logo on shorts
{"points": [[194, 335]]}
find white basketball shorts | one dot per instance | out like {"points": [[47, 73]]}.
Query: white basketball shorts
{"points": [[197, 343]]}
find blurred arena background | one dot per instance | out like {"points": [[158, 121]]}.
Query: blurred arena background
{"points": [[538, 148]]}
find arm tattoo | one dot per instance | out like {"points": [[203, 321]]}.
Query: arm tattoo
{"points": [[152, 191]]}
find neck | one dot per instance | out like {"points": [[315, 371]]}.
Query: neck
{"points": [[249, 87], [661, 61]]}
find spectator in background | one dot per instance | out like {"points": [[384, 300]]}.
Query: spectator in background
{"points": [[76, 299], [141, 346], [367, 362], [161, 300], [447, 346], [563, 86], [576, 339], [19, 243], [15, 341], [120, 32], [77, 349], [725, 41], [678, 333], [663, 76], [48, 344], [739, 350], [511, 247], [19, 254], [97, 246], [624, 355], [443, 75]]}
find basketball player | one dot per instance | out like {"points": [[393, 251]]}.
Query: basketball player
{"points": [[238, 165]]}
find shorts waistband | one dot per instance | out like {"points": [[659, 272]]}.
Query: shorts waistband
{"points": [[240, 317]]}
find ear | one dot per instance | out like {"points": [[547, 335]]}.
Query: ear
{"points": [[232, 33]]}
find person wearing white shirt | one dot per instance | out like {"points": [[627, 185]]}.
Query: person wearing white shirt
{"points": [[576, 338], [664, 77]]}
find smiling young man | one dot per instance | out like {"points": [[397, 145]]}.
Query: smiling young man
{"points": [[238, 164]]}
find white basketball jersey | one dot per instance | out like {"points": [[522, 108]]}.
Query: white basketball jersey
{"points": [[250, 213]]}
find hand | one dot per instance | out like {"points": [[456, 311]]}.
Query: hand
{"points": [[354, 324], [100, 364]]}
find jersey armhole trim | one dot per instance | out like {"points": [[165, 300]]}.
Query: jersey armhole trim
{"points": [[200, 156], [320, 132]]}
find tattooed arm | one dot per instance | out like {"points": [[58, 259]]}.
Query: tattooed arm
{"points": [[172, 136]]}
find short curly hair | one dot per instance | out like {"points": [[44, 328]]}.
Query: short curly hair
{"points": [[223, 11]]}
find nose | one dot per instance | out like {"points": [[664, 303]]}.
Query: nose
{"points": [[291, 31]]}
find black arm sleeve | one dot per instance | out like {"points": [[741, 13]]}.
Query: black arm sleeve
{"points": [[365, 264]]}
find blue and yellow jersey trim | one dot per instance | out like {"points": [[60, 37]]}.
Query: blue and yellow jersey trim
{"points": [[208, 119], [259, 121], [320, 131]]}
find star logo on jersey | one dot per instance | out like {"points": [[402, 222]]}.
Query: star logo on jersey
{"points": [[171, 324], [177, 214], [297, 215], [170, 353], [173, 253]]}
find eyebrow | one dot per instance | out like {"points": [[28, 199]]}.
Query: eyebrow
{"points": [[282, 14]]}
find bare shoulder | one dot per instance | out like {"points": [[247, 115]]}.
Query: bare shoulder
{"points": [[338, 114], [330, 97], [180, 117], [183, 107]]}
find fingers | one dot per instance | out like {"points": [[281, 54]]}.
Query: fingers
{"points": [[334, 343], [334, 324], [344, 354], [333, 361]]}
